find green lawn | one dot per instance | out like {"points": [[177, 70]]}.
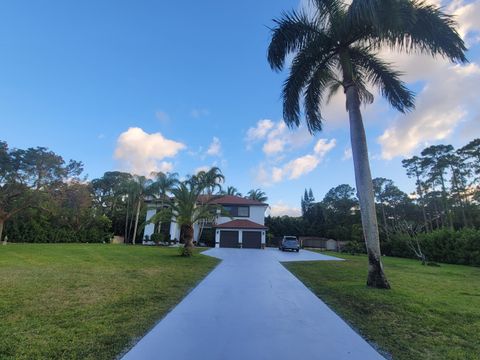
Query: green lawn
{"points": [[87, 301], [430, 313]]}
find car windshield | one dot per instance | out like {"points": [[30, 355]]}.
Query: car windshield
{"points": [[290, 238], [291, 241]]}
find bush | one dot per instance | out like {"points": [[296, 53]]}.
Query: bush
{"points": [[445, 245], [354, 247]]}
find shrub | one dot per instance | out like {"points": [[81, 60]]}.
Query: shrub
{"points": [[444, 245]]}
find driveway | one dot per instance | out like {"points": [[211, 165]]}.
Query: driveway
{"points": [[250, 307]]}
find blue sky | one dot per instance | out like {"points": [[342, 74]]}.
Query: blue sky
{"points": [[150, 85]]}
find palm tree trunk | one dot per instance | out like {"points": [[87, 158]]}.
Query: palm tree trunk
{"points": [[385, 222], [1, 228], [136, 220], [126, 226], [363, 179]]}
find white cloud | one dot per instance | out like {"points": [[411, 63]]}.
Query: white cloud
{"points": [[280, 209], [300, 166], [260, 131], [142, 153], [215, 148], [197, 113], [447, 100], [294, 169], [277, 136], [347, 154], [323, 146]]}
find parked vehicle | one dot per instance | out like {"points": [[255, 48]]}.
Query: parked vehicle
{"points": [[289, 243]]}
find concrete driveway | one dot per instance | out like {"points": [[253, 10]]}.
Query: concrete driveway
{"points": [[250, 307]]}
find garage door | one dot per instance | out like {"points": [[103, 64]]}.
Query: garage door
{"points": [[229, 239], [252, 239]]}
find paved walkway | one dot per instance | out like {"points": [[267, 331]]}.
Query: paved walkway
{"points": [[250, 307]]}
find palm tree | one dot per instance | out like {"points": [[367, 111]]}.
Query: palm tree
{"points": [[257, 194], [187, 210], [141, 188], [231, 190], [209, 180], [337, 47], [162, 186]]}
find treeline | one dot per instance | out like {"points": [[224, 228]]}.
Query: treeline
{"points": [[44, 198], [441, 217]]}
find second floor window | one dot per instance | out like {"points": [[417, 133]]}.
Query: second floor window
{"points": [[237, 211]]}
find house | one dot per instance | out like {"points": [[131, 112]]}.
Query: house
{"points": [[244, 228]]}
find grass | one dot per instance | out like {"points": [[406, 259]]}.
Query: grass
{"points": [[87, 301], [430, 313]]}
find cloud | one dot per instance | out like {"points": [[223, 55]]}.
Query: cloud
{"points": [[215, 148], [142, 153], [162, 116], [294, 169], [323, 146], [280, 209], [446, 105], [347, 154], [277, 137], [260, 131], [198, 113], [446, 101]]}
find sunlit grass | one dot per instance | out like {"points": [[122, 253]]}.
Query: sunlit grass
{"points": [[430, 312], [87, 301]]}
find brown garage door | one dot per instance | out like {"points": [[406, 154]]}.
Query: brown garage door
{"points": [[252, 239], [229, 239]]}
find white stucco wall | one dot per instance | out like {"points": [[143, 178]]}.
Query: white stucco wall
{"points": [[149, 229], [257, 215]]}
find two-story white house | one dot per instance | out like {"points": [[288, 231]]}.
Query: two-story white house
{"points": [[245, 228]]}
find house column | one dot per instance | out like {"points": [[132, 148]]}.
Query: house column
{"points": [[263, 239], [240, 238], [217, 238], [149, 228]]}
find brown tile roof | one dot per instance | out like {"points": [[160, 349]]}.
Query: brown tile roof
{"points": [[240, 224], [229, 200]]}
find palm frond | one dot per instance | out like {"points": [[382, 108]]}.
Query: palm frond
{"points": [[332, 91], [305, 63], [313, 97], [407, 25], [326, 10], [292, 31], [380, 74]]}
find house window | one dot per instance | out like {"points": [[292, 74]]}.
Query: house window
{"points": [[237, 211], [243, 211]]}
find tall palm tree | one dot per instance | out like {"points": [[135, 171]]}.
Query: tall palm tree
{"points": [[163, 184], [141, 187], [337, 47], [257, 194]]}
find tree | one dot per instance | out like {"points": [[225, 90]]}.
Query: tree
{"points": [[29, 177], [414, 169], [162, 186], [435, 162], [208, 181], [141, 187], [231, 190], [257, 194], [337, 47], [187, 211]]}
